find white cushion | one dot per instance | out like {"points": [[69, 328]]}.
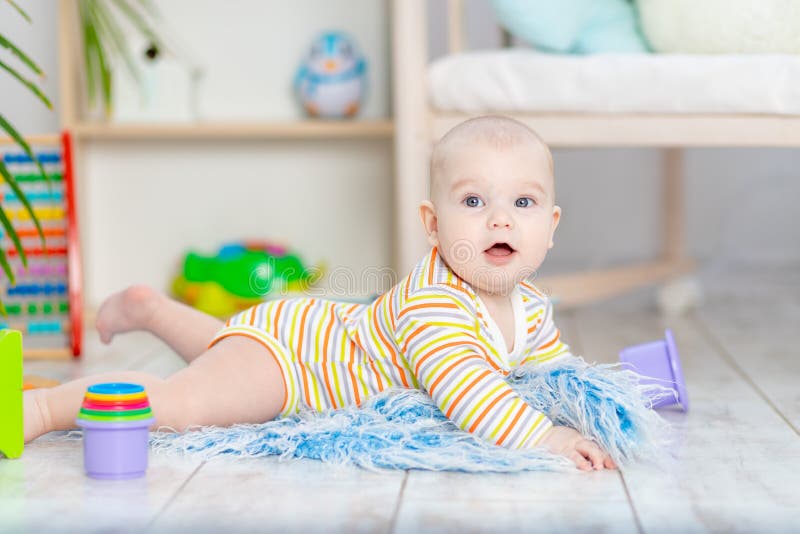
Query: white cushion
{"points": [[522, 80], [721, 26]]}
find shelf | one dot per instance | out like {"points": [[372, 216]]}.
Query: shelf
{"points": [[305, 129]]}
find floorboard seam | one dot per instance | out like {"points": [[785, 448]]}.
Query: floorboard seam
{"points": [[393, 523], [173, 497], [731, 361], [636, 519]]}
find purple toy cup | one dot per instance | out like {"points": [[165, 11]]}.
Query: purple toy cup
{"points": [[115, 451], [658, 363]]}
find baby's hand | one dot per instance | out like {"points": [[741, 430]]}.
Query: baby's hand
{"points": [[570, 443]]}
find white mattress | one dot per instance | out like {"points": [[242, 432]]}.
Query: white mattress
{"points": [[524, 80]]}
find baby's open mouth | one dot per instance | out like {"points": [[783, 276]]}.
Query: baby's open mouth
{"points": [[500, 249]]}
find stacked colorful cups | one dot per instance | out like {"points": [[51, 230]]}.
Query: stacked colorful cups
{"points": [[115, 418]]}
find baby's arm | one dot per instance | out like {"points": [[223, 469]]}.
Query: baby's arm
{"points": [[549, 347], [437, 334], [584, 452]]}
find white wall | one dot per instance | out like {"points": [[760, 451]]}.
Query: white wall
{"points": [[332, 199], [37, 40], [321, 197]]}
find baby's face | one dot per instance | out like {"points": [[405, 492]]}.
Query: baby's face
{"points": [[493, 214]]}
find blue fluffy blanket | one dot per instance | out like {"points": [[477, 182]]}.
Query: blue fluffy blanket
{"points": [[404, 429]]}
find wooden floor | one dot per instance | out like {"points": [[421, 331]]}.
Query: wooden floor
{"points": [[738, 466]]}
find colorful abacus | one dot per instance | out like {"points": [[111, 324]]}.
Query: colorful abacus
{"points": [[45, 302], [115, 418]]}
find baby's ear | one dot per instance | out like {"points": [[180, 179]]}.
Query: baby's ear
{"points": [[556, 220], [427, 212]]}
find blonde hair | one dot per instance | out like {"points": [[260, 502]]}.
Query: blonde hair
{"points": [[493, 130]]}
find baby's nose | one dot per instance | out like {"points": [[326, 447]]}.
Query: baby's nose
{"points": [[500, 220]]}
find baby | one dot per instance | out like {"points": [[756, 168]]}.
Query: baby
{"points": [[455, 326]]}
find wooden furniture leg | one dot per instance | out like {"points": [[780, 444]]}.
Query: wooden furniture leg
{"points": [[412, 138], [578, 289]]}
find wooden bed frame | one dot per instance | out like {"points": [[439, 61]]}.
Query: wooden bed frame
{"points": [[418, 125]]}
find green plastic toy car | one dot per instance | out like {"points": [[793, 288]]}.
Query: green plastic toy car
{"points": [[241, 275]]}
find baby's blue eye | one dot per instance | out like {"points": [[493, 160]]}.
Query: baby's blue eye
{"points": [[473, 202], [524, 202]]}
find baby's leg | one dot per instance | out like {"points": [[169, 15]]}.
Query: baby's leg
{"points": [[186, 330], [236, 381]]}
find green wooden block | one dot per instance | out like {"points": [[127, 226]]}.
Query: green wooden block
{"points": [[11, 431]]}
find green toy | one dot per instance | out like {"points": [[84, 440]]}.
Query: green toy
{"points": [[239, 276], [11, 430]]}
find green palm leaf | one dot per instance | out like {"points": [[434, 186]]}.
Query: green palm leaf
{"points": [[138, 19], [89, 53], [98, 69], [12, 183], [104, 41], [12, 233], [108, 30], [11, 131], [19, 140], [5, 43], [27, 83], [9, 273], [19, 10]]}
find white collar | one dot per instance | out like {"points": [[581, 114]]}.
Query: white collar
{"points": [[518, 309]]}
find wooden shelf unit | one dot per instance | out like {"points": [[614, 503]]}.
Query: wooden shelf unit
{"points": [[302, 129], [85, 131], [71, 92]]}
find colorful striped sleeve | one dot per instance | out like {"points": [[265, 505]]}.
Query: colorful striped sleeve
{"points": [[436, 331], [548, 346]]}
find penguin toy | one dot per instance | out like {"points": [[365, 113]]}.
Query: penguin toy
{"points": [[330, 82]]}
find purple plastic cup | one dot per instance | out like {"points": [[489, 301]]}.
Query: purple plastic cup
{"points": [[658, 363], [115, 450]]}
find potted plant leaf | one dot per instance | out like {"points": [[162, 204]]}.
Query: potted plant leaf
{"points": [[105, 43], [20, 73]]}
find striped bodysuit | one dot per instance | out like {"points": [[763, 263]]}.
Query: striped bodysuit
{"points": [[430, 331]]}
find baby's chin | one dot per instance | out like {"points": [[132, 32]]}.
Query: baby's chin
{"points": [[494, 281], [496, 288], [481, 276]]}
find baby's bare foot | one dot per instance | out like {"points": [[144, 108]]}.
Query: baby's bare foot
{"points": [[131, 309]]}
